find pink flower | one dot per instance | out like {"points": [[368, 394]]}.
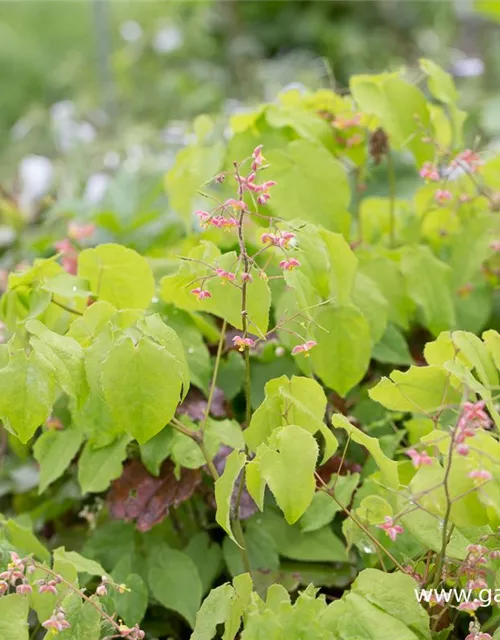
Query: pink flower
{"points": [[201, 293], [419, 459], [463, 449], [132, 632], [246, 277], [263, 198], [480, 474], [495, 555], [225, 275], [285, 239], [289, 265], [79, 232], [223, 223], [203, 216], [269, 238], [478, 583], [474, 415], [304, 348], [243, 343], [478, 636], [344, 122], [48, 587], [236, 205], [24, 588], [391, 529], [16, 561], [56, 622], [4, 587], [69, 255], [257, 158], [101, 590], [442, 196], [246, 184], [495, 245], [469, 606], [469, 158], [430, 172]]}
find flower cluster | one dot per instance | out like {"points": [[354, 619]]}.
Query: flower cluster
{"points": [[472, 417], [475, 632], [16, 575]]}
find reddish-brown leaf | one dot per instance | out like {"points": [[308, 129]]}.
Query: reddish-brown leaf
{"points": [[141, 497]]}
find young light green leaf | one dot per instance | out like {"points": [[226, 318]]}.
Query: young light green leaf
{"points": [[420, 389], [98, 467], [14, 611], [344, 347], [289, 470], [213, 611], [224, 488], [304, 173], [117, 275], [142, 385], [174, 582], [428, 283], [54, 450], [25, 541], [78, 562], [28, 392], [388, 467]]}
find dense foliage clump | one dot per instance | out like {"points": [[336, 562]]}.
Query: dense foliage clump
{"points": [[280, 418]]}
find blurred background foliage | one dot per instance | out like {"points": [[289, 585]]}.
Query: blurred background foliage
{"points": [[95, 91]]}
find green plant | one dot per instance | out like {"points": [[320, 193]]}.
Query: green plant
{"points": [[244, 400]]}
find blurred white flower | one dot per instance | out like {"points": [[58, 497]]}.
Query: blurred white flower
{"points": [[96, 188], [468, 68], [167, 39], [36, 174], [111, 159], [131, 31]]}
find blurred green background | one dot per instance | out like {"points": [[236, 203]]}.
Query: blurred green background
{"points": [[98, 86]]}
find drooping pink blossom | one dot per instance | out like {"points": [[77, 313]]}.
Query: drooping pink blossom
{"points": [[391, 529], [246, 277], [495, 245], [469, 606], [419, 459], [429, 171], [81, 231], [304, 348], [243, 343], [228, 276], [69, 255], [48, 587], [469, 158], [57, 622], [462, 449], [478, 583], [290, 264], [442, 196], [203, 216], [495, 554], [480, 474], [4, 587], [235, 205], [257, 158], [201, 294], [473, 415], [101, 590], [24, 589]]}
